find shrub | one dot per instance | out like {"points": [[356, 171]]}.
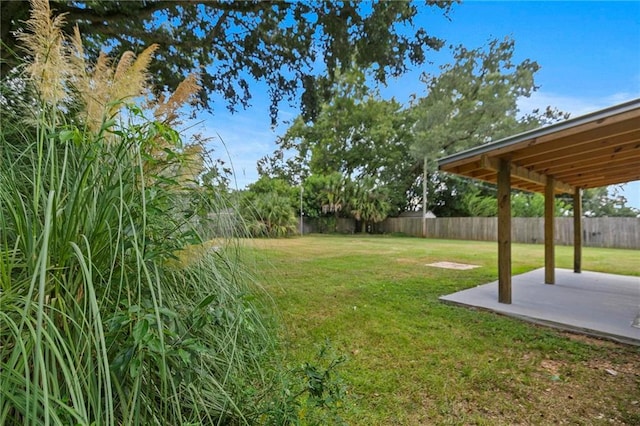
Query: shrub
{"points": [[269, 215], [113, 311], [101, 323]]}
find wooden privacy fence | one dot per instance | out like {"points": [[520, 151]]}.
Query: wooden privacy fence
{"points": [[614, 232]]}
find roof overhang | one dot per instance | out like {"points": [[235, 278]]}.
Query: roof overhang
{"points": [[598, 149]]}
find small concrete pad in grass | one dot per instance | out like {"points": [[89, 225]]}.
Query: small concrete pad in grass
{"points": [[453, 265]]}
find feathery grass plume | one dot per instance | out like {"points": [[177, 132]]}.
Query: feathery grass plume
{"points": [[77, 56], [131, 76], [104, 89], [186, 92], [44, 42], [126, 61], [192, 165], [95, 92], [91, 85], [191, 158], [77, 62]]}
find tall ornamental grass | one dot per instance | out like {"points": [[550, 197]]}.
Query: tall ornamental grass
{"points": [[100, 323]]}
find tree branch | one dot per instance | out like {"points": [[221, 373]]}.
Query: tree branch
{"points": [[146, 11], [87, 14]]}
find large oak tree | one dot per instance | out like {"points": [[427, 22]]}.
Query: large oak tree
{"points": [[295, 47]]}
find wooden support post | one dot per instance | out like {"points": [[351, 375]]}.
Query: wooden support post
{"points": [[504, 231], [577, 231], [549, 218]]}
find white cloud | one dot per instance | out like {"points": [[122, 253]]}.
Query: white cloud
{"points": [[575, 105]]}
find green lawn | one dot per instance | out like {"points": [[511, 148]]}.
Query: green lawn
{"points": [[414, 360]]}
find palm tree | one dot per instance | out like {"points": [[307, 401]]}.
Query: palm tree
{"points": [[369, 203], [332, 195], [274, 215]]}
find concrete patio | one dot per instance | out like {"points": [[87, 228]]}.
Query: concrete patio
{"points": [[592, 303]]}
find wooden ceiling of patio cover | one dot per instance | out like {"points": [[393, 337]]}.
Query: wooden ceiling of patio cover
{"points": [[593, 150]]}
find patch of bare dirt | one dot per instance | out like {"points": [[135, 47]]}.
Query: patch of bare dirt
{"points": [[595, 341]]}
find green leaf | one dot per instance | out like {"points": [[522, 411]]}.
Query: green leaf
{"points": [[155, 345], [207, 301], [140, 330], [67, 135], [134, 368], [184, 356]]}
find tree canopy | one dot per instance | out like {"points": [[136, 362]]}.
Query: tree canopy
{"points": [[360, 135], [473, 101], [356, 134], [606, 202], [295, 47]]}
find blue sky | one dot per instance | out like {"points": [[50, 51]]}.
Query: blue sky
{"points": [[589, 53]]}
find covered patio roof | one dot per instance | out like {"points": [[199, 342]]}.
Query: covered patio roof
{"points": [[593, 150]]}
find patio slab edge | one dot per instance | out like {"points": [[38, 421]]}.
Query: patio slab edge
{"points": [[546, 323], [591, 303]]}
